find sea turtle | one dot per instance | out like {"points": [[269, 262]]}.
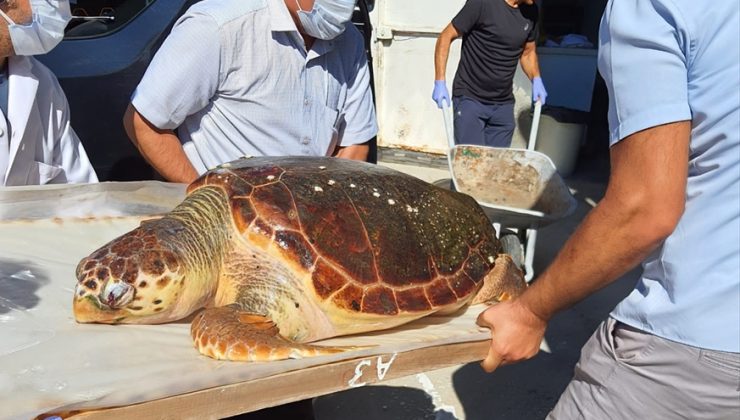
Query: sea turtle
{"points": [[285, 251]]}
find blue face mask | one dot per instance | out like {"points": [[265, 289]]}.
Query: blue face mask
{"points": [[45, 30], [327, 19]]}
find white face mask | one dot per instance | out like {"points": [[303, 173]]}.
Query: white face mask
{"points": [[45, 31], [327, 19]]}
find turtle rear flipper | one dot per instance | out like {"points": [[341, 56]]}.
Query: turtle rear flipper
{"points": [[228, 333]]}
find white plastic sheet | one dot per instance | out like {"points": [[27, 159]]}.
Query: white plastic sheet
{"points": [[49, 363]]}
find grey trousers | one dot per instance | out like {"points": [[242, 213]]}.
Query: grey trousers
{"points": [[625, 373]]}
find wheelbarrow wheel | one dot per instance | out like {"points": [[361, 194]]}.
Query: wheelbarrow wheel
{"points": [[512, 245]]}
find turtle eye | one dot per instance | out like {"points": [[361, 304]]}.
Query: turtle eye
{"points": [[117, 294]]}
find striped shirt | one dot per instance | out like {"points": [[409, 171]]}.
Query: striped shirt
{"points": [[234, 78]]}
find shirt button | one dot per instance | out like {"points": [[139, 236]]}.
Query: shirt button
{"points": [[306, 102], [2, 132], [305, 140]]}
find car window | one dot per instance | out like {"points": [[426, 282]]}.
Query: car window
{"points": [[93, 18]]}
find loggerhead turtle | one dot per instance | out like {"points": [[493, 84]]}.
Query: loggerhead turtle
{"points": [[285, 251]]}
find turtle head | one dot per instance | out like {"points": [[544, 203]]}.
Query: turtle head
{"points": [[141, 277]]}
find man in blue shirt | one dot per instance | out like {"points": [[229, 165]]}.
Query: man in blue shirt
{"points": [[671, 349], [257, 78]]}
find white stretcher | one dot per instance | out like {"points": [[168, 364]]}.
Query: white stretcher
{"points": [[51, 365]]}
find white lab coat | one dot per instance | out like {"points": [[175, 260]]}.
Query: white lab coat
{"points": [[43, 148]]}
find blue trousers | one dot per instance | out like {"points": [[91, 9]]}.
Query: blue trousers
{"points": [[481, 124]]}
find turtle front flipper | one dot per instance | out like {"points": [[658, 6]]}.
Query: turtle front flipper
{"points": [[228, 333]]}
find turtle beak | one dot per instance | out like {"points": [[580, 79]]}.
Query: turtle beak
{"points": [[90, 308]]}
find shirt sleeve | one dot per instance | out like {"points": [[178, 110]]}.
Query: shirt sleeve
{"points": [[532, 13], [643, 52], [184, 74], [360, 124], [468, 16]]}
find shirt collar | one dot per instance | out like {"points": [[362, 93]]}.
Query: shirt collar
{"points": [[280, 19]]}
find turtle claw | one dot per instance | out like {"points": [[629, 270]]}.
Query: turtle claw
{"points": [[227, 333]]}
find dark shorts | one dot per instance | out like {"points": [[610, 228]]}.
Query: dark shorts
{"points": [[481, 124]]}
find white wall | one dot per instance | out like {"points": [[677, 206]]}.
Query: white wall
{"points": [[403, 50]]}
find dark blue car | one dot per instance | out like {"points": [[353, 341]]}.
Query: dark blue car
{"points": [[107, 47]]}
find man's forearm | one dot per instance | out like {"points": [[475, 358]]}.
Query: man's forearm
{"points": [[530, 64], [642, 206], [354, 152], [592, 258], [160, 148], [442, 51]]}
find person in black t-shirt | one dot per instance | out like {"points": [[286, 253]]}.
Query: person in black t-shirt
{"points": [[497, 34]]}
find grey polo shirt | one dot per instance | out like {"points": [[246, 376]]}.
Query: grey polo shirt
{"points": [[234, 78]]}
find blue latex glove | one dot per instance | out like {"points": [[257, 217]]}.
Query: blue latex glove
{"points": [[440, 94], [538, 90]]}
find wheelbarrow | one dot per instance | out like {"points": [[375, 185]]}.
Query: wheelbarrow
{"points": [[520, 190]]}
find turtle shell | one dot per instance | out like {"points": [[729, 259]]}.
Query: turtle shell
{"points": [[371, 239]]}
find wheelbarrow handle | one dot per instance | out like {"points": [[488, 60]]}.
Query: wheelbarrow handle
{"points": [[532, 143], [449, 127], [450, 133]]}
